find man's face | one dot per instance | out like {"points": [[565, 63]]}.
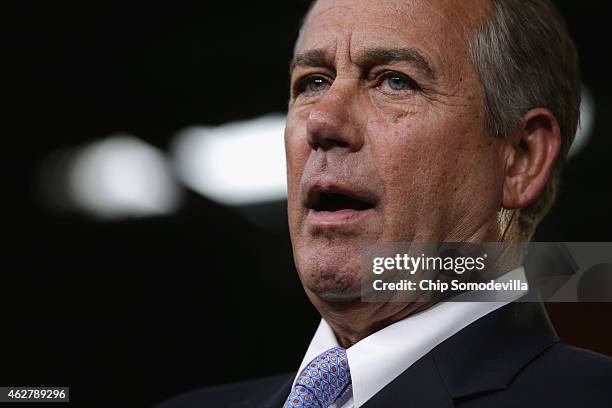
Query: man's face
{"points": [[385, 137]]}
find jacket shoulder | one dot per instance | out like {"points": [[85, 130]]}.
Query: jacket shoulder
{"points": [[561, 376], [229, 395], [574, 368]]}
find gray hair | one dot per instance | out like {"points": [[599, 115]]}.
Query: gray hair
{"points": [[526, 59]]}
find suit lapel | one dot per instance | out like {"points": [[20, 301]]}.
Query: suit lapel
{"points": [[487, 355], [483, 357]]}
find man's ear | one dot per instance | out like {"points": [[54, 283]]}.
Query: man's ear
{"points": [[530, 154]]}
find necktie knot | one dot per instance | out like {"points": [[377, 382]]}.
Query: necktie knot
{"points": [[325, 380]]}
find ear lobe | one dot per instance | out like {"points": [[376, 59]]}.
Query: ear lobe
{"points": [[530, 157]]}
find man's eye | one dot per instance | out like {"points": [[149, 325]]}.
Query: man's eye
{"points": [[313, 85], [397, 82]]}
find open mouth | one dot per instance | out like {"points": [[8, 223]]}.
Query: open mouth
{"points": [[325, 200]]}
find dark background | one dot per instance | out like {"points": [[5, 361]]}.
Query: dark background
{"points": [[131, 312]]}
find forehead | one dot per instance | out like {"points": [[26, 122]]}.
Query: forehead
{"points": [[440, 29]]}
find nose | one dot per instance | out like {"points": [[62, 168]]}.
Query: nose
{"points": [[331, 123]]}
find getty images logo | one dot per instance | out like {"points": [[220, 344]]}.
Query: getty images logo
{"points": [[412, 264]]}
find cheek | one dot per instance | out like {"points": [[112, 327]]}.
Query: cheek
{"points": [[407, 155], [433, 167], [426, 141]]}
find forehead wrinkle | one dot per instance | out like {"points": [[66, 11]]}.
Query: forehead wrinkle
{"points": [[440, 38], [321, 13], [336, 56], [388, 55], [367, 58], [314, 14]]}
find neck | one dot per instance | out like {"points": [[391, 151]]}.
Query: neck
{"points": [[353, 321]]}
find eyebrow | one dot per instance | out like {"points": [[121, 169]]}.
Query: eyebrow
{"points": [[368, 58], [311, 58]]}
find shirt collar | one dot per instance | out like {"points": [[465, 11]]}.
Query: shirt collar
{"points": [[378, 359]]}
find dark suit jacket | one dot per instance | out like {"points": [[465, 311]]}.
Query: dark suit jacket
{"points": [[509, 358]]}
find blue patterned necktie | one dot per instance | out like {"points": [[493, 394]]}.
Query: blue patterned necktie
{"points": [[325, 380]]}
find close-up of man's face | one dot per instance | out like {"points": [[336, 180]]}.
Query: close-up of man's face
{"points": [[386, 138]]}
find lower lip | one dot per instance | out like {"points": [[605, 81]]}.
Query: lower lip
{"points": [[338, 218]]}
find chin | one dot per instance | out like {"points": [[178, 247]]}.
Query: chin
{"points": [[331, 277]]}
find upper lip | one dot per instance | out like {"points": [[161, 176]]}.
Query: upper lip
{"points": [[319, 193]]}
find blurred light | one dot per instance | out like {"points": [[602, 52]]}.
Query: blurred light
{"points": [[587, 118], [122, 176], [238, 163]]}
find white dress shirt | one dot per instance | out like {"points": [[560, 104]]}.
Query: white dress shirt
{"points": [[378, 359]]}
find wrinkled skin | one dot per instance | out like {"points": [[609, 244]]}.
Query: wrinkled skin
{"points": [[409, 140]]}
